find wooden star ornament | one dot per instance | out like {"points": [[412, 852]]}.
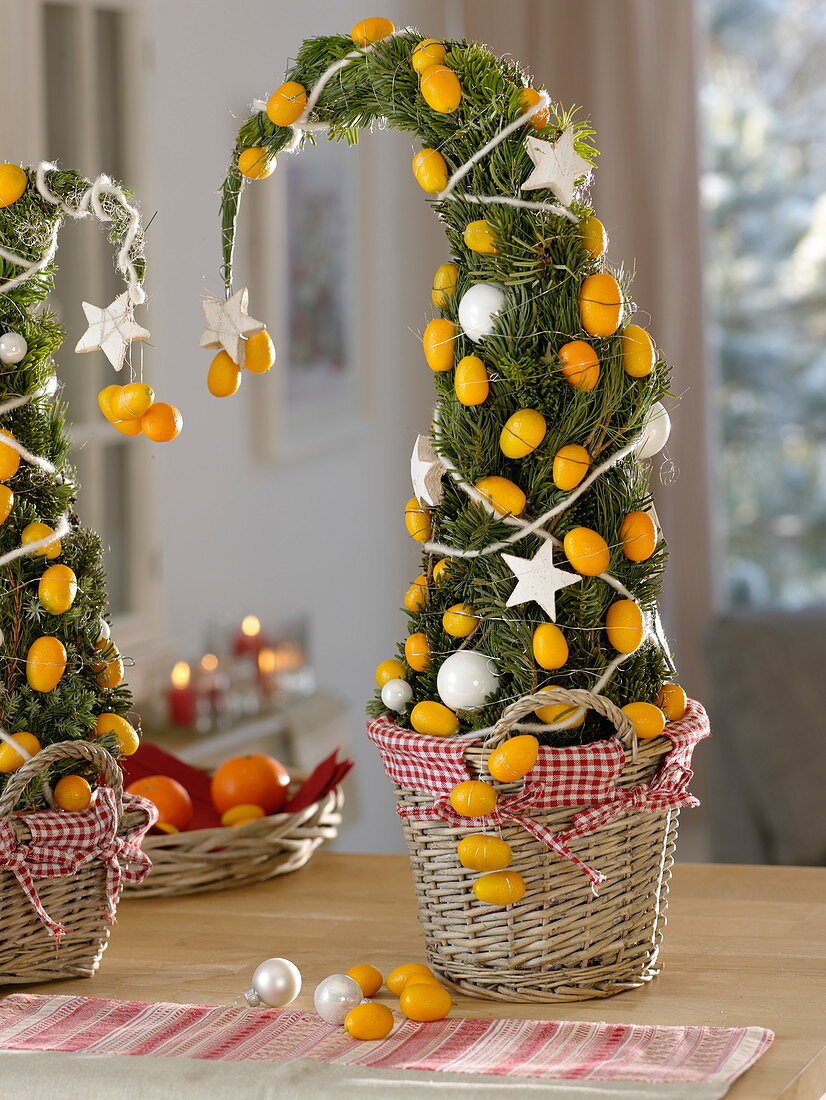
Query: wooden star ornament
{"points": [[538, 579], [557, 166], [111, 329], [228, 324], [426, 472]]}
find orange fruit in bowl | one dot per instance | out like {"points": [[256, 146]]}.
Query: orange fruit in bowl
{"points": [[397, 979], [241, 814], [425, 1001], [367, 976], [171, 800], [255, 779]]}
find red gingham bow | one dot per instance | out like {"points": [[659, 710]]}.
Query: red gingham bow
{"points": [[577, 775], [62, 843]]}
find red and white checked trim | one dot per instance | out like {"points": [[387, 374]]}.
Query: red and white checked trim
{"points": [[61, 843], [577, 775]]}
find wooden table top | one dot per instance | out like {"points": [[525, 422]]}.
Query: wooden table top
{"points": [[744, 946]]}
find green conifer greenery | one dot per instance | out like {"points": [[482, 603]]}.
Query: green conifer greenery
{"points": [[541, 262], [69, 710]]}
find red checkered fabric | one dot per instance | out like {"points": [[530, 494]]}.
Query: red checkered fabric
{"points": [[61, 843], [578, 775]]}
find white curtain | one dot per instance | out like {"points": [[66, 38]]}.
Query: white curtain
{"points": [[631, 66]]}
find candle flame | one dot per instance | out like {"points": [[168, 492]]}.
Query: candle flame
{"points": [[180, 675], [209, 662], [267, 661], [251, 626]]}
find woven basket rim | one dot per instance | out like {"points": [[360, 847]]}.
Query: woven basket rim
{"points": [[192, 836]]}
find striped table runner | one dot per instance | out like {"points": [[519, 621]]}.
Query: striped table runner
{"points": [[704, 1059]]}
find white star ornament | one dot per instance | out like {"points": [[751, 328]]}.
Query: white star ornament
{"points": [[426, 472], [111, 329], [538, 579], [228, 324], [557, 166]]}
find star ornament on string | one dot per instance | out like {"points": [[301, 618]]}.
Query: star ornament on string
{"points": [[557, 166], [228, 324], [538, 579], [426, 472], [111, 329]]}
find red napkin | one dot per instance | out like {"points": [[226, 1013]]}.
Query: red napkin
{"points": [[153, 760], [327, 775]]}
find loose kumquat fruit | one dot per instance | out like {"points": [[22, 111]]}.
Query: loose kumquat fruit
{"points": [[425, 1002], [398, 978], [368, 978], [369, 1021]]}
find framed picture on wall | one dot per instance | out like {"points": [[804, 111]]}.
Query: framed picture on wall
{"points": [[306, 268]]}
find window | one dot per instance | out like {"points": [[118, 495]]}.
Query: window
{"points": [[763, 190], [89, 83]]}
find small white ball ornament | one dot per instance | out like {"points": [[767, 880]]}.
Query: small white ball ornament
{"points": [[466, 679], [335, 996], [396, 694], [655, 432], [275, 983], [478, 309], [105, 631], [13, 348]]}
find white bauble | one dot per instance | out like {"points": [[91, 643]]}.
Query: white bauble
{"points": [[276, 982], [105, 631], [655, 431], [335, 996], [466, 679], [13, 348], [396, 694], [478, 309]]}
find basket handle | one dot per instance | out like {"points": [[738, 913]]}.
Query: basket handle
{"points": [[81, 750], [577, 697]]}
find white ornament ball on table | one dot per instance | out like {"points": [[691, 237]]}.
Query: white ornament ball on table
{"points": [[478, 309], [275, 983], [335, 996], [396, 694], [466, 679], [655, 431], [13, 348]]}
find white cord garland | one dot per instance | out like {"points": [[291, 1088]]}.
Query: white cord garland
{"points": [[89, 201]]}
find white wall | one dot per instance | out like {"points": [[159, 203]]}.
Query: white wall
{"points": [[324, 537]]}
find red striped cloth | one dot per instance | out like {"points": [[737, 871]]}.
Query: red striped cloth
{"points": [[515, 1048], [576, 775]]}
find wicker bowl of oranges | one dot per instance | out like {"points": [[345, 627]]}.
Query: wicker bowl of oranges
{"points": [[259, 835]]}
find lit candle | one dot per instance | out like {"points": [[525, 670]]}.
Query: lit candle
{"points": [[250, 641], [181, 697], [213, 683], [267, 665]]}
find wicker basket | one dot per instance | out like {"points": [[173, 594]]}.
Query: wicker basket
{"points": [[560, 943], [216, 859], [27, 953]]}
